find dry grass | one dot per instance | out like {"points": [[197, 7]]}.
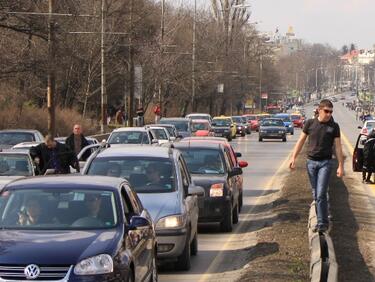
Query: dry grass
{"points": [[30, 117]]}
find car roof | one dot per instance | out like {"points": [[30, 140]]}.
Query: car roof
{"points": [[14, 152], [282, 115], [70, 181], [124, 129], [222, 117], [198, 114], [121, 151], [206, 138], [19, 130], [175, 118], [197, 144], [200, 121], [162, 125]]}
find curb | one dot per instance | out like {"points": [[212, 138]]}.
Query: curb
{"points": [[323, 264]]}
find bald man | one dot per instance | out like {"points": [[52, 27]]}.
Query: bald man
{"points": [[76, 142]]}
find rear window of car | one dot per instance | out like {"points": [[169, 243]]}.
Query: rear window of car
{"points": [[57, 209], [203, 161], [180, 125], [295, 117], [129, 137], [15, 165], [200, 126], [272, 122], [145, 174], [13, 138], [251, 118], [222, 122]]}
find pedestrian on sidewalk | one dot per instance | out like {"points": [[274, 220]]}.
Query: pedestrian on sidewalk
{"points": [[77, 141], [322, 133], [369, 158]]}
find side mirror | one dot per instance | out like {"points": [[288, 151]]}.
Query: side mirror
{"points": [[243, 164], [180, 136], [139, 223], [195, 191], [172, 138], [154, 141], [50, 171], [238, 154], [236, 171], [104, 141]]}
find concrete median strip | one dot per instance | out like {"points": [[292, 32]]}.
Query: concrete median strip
{"points": [[323, 265]]}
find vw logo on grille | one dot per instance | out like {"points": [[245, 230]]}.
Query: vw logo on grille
{"points": [[32, 271]]}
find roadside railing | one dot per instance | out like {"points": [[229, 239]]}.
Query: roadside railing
{"points": [[323, 265]]}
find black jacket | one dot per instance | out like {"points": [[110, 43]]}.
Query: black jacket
{"points": [[69, 142], [66, 158], [369, 155]]}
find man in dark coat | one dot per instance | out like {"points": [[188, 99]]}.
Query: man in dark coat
{"points": [[77, 141], [53, 155], [369, 158]]}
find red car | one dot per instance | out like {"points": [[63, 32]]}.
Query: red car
{"points": [[297, 120], [233, 158], [253, 121]]}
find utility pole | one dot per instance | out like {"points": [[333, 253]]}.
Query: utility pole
{"points": [[162, 28], [260, 82], [103, 122], [131, 67], [194, 57], [51, 80]]}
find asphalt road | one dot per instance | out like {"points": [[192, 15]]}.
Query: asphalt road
{"points": [[222, 255]]}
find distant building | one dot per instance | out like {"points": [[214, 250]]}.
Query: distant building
{"points": [[288, 43]]}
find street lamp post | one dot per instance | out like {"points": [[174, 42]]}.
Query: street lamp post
{"points": [[194, 57]]}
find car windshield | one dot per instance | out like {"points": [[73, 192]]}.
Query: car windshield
{"points": [[15, 164], [203, 161], [272, 122], [295, 117], [180, 125], [237, 119], [251, 118], [57, 209], [222, 122], [200, 126], [129, 137], [284, 119], [159, 133], [146, 175], [13, 138]]}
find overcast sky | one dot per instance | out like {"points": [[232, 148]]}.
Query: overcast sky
{"points": [[336, 22]]}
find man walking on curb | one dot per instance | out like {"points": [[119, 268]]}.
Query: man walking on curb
{"points": [[323, 133]]}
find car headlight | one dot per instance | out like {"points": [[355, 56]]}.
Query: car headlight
{"points": [[281, 131], [217, 190], [290, 125], [170, 222], [100, 264]]}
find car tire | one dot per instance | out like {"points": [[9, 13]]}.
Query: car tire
{"points": [[284, 139], [194, 245], [260, 139], [184, 260], [235, 216], [226, 225], [154, 274], [240, 201], [243, 134]]}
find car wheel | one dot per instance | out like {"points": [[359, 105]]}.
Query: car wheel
{"points": [[226, 225], [131, 276], [235, 214], [154, 274], [184, 260], [194, 245], [284, 139], [240, 201], [260, 139], [243, 134]]}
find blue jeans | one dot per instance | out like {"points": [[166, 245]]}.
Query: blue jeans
{"points": [[319, 173]]}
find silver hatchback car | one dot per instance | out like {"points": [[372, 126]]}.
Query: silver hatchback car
{"points": [[162, 181]]}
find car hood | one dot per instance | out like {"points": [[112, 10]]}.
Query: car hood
{"points": [[160, 204], [271, 128], [4, 180], [55, 247]]}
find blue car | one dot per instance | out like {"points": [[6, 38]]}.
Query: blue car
{"points": [[78, 228], [287, 121]]}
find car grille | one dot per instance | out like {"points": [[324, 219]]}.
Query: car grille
{"points": [[219, 130], [275, 131], [47, 273]]}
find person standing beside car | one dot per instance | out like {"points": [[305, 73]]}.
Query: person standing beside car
{"points": [[369, 158], [322, 133], [53, 155], [77, 141]]}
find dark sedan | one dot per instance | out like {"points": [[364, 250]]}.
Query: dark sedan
{"points": [[272, 128], [76, 228], [210, 167]]}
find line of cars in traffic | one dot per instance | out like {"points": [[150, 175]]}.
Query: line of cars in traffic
{"points": [[138, 203]]}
